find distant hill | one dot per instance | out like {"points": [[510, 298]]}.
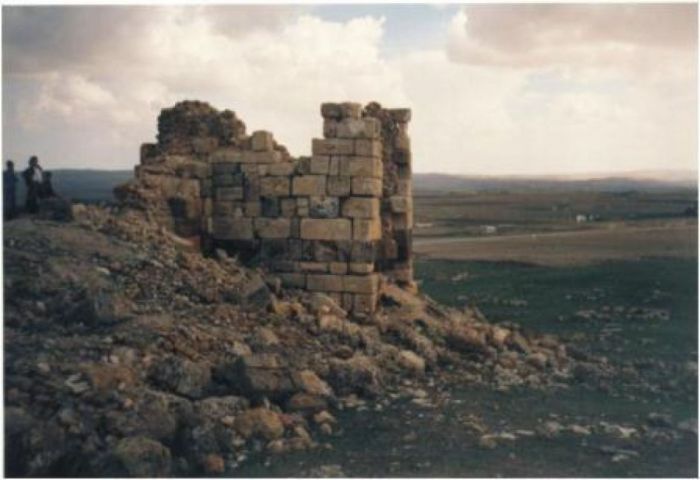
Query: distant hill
{"points": [[438, 182], [96, 185], [87, 186]]}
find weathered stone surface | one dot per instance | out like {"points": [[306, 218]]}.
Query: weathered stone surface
{"points": [[143, 457], [358, 374], [333, 146], [357, 128], [324, 283], [226, 228], [361, 267], [412, 362], [366, 230], [259, 422], [272, 227], [361, 283], [274, 186], [367, 186], [257, 375], [324, 207], [339, 186], [320, 164], [262, 141], [356, 207], [399, 204], [364, 303], [181, 376], [293, 280], [368, 148], [280, 169], [309, 185], [361, 167], [326, 229]]}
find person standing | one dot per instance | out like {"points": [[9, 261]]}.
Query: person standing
{"points": [[9, 184], [33, 178]]}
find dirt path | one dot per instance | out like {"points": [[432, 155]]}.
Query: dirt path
{"points": [[614, 241]]}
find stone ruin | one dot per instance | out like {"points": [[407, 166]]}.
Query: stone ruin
{"points": [[337, 222]]}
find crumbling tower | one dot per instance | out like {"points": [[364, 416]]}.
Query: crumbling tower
{"points": [[337, 222]]}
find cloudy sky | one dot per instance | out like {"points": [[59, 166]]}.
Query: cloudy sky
{"points": [[495, 89]]}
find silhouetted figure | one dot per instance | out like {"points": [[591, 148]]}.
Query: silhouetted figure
{"points": [[46, 187], [9, 184], [33, 179]]}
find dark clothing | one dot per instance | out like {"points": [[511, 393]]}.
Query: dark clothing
{"points": [[33, 177], [46, 189], [9, 190]]}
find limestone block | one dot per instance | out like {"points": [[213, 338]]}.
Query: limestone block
{"points": [[364, 303], [366, 229], [262, 168], [403, 274], [303, 207], [320, 164], [148, 152], [339, 186], [351, 110], [271, 156], [226, 154], [358, 128], [324, 283], [367, 186], [252, 209], [361, 283], [402, 157], [363, 251], [309, 185], [346, 301], [280, 169], [193, 169], [361, 207], [288, 207], [326, 229], [229, 193], [223, 180], [402, 221], [338, 268], [227, 228], [361, 167], [204, 145], [368, 148], [332, 146], [404, 187], [223, 208], [402, 142], [262, 141], [399, 204], [330, 128], [324, 207], [331, 110], [334, 165], [303, 166], [361, 267], [274, 186], [317, 267], [292, 280], [250, 169], [272, 227]]}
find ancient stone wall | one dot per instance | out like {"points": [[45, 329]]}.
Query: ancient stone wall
{"points": [[335, 222]]}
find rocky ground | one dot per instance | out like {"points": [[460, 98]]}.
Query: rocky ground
{"points": [[129, 353]]}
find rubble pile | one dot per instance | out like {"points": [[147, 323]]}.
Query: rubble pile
{"points": [[128, 352]]}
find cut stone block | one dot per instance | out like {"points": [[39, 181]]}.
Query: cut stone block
{"points": [[334, 165], [367, 186], [262, 141], [318, 267], [288, 207], [274, 186], [204, 145], [252, 209], [351, 110], [308, 185], [358, 128], [280, 169], [324, 283], [366, 229], [332, 146], [319, 164], [229, 193], [339, 186], [368, 148], [331, 110], [338, 268], [324, 207], [402, 142], [399, 204], [361, 167], [402, 115], [225, 168], [292, 280], [361, 267], [326, 229], [226, 228], [330, 128], [272, 227], [360, 207], [226, 154], [361, 283], [271, 156]]}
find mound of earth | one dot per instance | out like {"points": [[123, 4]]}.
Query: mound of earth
{"points": [[129, 353]]}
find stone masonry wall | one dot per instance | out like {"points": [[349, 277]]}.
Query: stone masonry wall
{"points": [[335, 222]]}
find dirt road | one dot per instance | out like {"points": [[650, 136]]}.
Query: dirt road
{"points": [[614, 241]]}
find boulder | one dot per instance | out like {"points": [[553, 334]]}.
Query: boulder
{"points": [[257, 375], [259, 422], [142, 457], [412, 362], [307, 381], [306, 403], [358, 374], [181, 376]]}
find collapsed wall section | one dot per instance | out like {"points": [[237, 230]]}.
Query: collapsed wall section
{"points": [[334, 222]]}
